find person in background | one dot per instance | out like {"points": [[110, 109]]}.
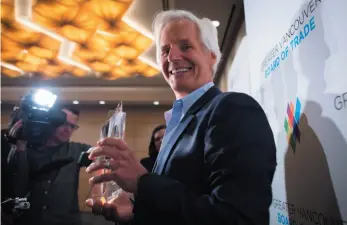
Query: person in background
{"points": [[154, 147], [218, 155], [53, 195]]}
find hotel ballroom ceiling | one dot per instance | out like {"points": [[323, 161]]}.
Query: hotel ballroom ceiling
{"points": [[77, 37], [93, 47]]}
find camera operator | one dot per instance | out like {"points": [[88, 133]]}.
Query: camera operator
{"points": [[49, 175]]}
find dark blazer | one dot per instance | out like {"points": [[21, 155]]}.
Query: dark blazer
{"points": [[219, 167], [148, 163]]}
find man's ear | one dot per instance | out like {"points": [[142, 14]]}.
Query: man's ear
{"points": [[213, 58]]}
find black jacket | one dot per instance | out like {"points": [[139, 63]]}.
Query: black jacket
{"points": [[6, 169], [148, 163], [217, 167]]}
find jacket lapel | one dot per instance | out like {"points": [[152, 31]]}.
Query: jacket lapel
{"points": [[171, 139]]}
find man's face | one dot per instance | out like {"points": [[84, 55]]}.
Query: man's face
{"points": [[63, 133], [186, 63]]}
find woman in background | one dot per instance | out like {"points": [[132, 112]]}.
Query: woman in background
{"points": [[154, 147]]}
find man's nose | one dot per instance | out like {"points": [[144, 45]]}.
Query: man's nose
{"points": [[174, 54]]}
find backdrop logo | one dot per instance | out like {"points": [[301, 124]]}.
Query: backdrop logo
{"points": [[340, 101], [291, 123]]}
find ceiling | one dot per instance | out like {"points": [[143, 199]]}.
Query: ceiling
{"points": [[91, 74]]}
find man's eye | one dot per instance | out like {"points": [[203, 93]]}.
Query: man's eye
{"points": [[164, 52], [185, 47]]}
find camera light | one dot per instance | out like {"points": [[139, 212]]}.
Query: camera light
{"points": [[44, 98]]}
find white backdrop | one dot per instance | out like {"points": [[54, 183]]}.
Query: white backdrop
{"points": [[239, 77], [297, 70]]}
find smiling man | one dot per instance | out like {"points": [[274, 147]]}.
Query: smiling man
{"points": [[186, 63], [218, 155]]}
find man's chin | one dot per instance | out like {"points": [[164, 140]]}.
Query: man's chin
{"points": [[63, 139], [181, 88]]}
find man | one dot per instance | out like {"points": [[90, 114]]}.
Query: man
{"points": [[53, 194], [218, 156]]}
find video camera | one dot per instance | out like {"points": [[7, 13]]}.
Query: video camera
{"points": [[39, 115]]}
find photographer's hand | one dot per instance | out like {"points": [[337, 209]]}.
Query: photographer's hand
{"points": [[13, 133]]}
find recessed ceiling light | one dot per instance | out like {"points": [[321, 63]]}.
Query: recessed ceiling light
{"points": [[102, 102], [75, 102], [215, 23], [156, 103]]}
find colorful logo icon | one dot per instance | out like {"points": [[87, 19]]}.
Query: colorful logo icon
{"points": [[291, 123]]}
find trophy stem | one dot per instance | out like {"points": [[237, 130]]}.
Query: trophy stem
{"points": [[116, 129]]}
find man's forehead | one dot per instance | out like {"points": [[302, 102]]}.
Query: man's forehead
{"points": [[70, 115], [178, 27], [183, 40], [67, 112]]}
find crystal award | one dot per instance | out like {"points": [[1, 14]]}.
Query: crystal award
{"points": [[114, 128]]}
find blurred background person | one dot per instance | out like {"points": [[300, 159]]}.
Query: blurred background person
{"points": [[49, 176], [154, 147]]}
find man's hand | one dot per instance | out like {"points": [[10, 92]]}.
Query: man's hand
{"points": [[121, 209], [125, 168]]}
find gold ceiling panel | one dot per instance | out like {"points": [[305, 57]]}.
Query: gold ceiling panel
{"points": [[67, 3], [126, 68], [54, 68], [9, 49], [93, 49], [25, 49], [10, 73], [110, 11], [12, 29], [104, 42], [69, 21], [7, 2]]}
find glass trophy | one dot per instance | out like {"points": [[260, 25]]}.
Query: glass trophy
{"points": [[115, 128]]}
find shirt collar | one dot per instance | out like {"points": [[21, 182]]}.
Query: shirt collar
{"points": [[189, 100]]}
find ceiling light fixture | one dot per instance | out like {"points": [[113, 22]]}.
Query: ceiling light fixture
{"points": [[75, 102], [215, 23], [102, 102], [156, 103], [149, 62], [138, 27], [67, 50], [12, 67], [23, 15]]}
